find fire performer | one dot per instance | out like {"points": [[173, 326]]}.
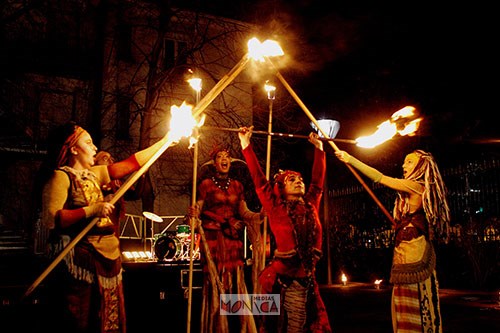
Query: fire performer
{"points": [[294, 221], [87, 285], [105, 158], [223, 211], [421, 215]]}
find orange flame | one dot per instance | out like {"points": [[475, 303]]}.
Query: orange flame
{"points": [[402, 122], [270, 89], [182, 122], [258, 50]]}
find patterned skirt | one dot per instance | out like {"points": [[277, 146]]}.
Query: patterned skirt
{"points": [[415, 307]]}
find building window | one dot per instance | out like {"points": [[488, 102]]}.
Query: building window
{"points": [[174, 53]]}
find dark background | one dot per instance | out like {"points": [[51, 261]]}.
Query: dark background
{"points": [[359, 63]]}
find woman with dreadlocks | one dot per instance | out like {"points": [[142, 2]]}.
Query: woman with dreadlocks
{"points": [[422, 215], [294, 221]]}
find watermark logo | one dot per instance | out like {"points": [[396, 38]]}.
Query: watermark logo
{"points": [[249, 304]]}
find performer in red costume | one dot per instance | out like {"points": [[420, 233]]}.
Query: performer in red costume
{"points": [[223, 211], [89, 279], [294, 221]]}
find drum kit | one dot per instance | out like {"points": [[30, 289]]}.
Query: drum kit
{"points": [[173, 246]]}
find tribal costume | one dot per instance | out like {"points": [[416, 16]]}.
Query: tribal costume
{"points": [[92, 268], [224, 214], [415, 296], [421, 215], [298, 234]]}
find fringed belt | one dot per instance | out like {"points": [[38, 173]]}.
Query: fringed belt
{"points": [[406, 268]]}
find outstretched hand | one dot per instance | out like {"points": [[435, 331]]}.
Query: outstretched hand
{"points": [[245, 134], [343, 156], [314, 139]]}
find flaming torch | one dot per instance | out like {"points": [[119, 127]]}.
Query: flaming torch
{"points": [[332, 144], [195, 83], [181, 125], [271, 95], [402, 122], [257, 51]]}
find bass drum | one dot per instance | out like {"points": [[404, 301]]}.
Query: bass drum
{"points": [[167, 247]]}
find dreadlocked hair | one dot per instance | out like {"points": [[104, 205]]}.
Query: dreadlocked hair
{"points": [[434, 197]]}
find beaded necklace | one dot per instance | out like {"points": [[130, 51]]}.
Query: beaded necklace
{"points": [[223, 186]]}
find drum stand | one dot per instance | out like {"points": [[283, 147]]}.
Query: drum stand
{"points": [[186, 248], [153, 218]]}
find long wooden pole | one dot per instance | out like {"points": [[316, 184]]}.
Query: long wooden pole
{"points": [[268, 175], [286, 135], [193, 223], [191, 245], [334, 146], [220, 86], [119, 193]]}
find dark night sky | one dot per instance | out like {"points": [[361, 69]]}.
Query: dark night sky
{"points": [[360, 63]]}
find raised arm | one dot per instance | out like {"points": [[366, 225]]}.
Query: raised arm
{"points": [[398, 184], [319, 165], [258, 177]]}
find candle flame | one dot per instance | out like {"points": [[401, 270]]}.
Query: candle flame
{"points": [[182, 122], [378, 281], [402, 122], [258, 50], [344, 278]]}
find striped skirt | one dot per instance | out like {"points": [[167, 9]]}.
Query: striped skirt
{"points": [[415, 307]]}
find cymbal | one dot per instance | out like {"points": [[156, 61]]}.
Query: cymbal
{"points": [[152, 216]]}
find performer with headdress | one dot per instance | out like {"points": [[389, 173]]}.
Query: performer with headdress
{"points": [[223, 212], [294, 221], [87, 287], [421, 214]]}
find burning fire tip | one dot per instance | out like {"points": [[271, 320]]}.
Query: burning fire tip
{"points": [[403, 122], [183, 123], [258, 50]]}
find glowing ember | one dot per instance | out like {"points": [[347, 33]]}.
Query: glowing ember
{"points": [[258, 50], [402, 122]]}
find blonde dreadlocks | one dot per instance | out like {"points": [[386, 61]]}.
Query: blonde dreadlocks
{"points": [[434, 197]]}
